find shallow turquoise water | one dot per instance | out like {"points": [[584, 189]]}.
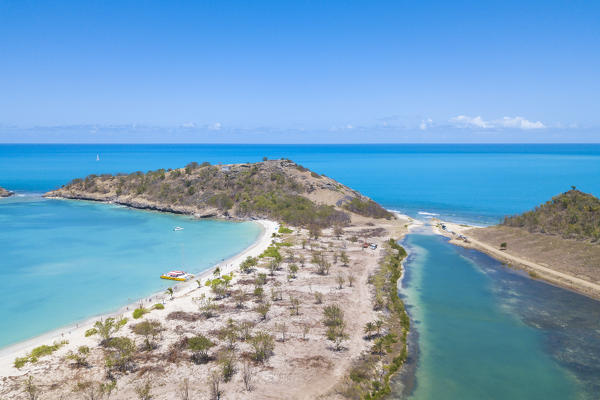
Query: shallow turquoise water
{"points": [[486, 332], [63, 261]]}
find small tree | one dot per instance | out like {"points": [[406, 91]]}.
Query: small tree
{"points": [[120, 354], [214, 383], [351, 279], [33, 392], [340, 281], [273, 266], [228, 368], [144, 390], [207, 307], [184, 389], [503, 246], [293, 268], [200, 345], [318, 297], [170, 292], [263, 309], [337, 335], [344, 258], [248, 264], [378, 325], [107, 328], [305, 330], [247, 375], [149, 330], [281, 328], [338, 231], [263, 345], [239, 297], [80, 357], [295, 304]]}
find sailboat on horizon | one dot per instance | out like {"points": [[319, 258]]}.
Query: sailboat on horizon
{"points": [[97, 157]]}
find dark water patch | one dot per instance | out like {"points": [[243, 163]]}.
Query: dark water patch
{"points": [[569, 322]]}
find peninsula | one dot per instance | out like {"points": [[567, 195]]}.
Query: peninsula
{"points": [[558, 241], [310, 311]]}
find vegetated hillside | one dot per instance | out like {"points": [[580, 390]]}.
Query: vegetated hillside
{"points": [[572, 215], [275, 189], [5, 193]]}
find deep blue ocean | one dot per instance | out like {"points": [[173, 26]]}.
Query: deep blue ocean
{"points": [[482, 331]]}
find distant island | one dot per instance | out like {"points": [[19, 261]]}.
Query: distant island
{"points": [[558, 241], [5, 193], [310, 311]]}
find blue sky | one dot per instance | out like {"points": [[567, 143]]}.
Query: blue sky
{"points": [[299, 71]]}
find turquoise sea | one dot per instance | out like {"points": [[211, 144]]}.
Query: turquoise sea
{"points": [[482, 331]]}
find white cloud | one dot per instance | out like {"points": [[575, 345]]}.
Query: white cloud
{"points": [[520, 123], [465, 121], [188, 125], [425, 123], [473, 122], [215, 127]]}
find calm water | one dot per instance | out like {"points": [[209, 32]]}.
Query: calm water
{"points": [[483, 332], [487, 332], [63, 261]]}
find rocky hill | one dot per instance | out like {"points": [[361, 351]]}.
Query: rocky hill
{"points": [[571, 215], [276, 189], [5, 193]]}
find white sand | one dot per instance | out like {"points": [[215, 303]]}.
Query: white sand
{"points": [[75, 333]]}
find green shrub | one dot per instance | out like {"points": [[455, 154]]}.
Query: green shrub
{"points": [[38, 352], [283, 229], [139, 312], [158, 306], [91, 332]]}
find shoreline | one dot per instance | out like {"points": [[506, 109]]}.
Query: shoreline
{"points": [[75, 332], [543, 273]]}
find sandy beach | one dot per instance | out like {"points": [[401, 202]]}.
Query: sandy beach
{"points": [[75, 333]]}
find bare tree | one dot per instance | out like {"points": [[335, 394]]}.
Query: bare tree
{"points": [[144, 391], [282, 328], [184, 389], [33, 392], [247, 375], [351, 279], [340, 281], [305, 330], [318, 297], [214, 382]]}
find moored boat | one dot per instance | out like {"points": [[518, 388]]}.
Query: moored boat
{"points": [[181, 276]]}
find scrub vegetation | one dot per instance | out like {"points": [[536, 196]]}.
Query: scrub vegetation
{"points": [[571, 215], [275, 189]]}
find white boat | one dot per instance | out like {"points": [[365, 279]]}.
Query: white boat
{"points": [[97, 157], [181, 276], [177, 228]]}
